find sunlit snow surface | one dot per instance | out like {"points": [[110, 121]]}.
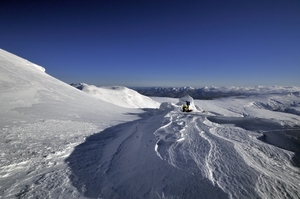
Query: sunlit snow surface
{"points": [[59, 142]]}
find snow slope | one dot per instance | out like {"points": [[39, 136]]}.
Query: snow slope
{"points": [[118, 95], [41, 120], [59, 142]]}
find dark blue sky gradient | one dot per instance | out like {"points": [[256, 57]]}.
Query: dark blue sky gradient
{"points": [[158, 43]]}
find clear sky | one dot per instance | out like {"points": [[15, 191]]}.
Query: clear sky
{"points": [[158, 43]]}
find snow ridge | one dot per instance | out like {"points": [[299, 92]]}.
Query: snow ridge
{"points": [[6, 57], [118, 95]]}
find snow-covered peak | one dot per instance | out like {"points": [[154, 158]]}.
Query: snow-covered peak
{"points": [[186, 88], [118, 95]]}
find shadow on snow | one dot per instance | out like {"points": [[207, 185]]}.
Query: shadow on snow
{"points": [[120, 162]]}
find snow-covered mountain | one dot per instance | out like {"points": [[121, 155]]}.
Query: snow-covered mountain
{"points": [[42, 119], [212, 92], [59, 142]]}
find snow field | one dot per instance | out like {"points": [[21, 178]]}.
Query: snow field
{"points": [[227, 154], [59, 142], [33, 155]]}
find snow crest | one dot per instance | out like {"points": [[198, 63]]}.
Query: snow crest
{"points": [[118, 95], [9, 58]]}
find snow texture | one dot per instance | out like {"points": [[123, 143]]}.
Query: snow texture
{"points": [[59, 142]]}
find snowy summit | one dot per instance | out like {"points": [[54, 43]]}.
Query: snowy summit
{"points": [[58, 141]]}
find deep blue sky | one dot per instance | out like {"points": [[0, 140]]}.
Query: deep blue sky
{"points": [[158, 43]]}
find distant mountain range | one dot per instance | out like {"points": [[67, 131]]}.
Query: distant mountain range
{"points": [[212, 92]]}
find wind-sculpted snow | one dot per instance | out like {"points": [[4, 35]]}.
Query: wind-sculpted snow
{"points": [[231, 157], [170, 154], [120, 162], [195, 149], [278, 178]]}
